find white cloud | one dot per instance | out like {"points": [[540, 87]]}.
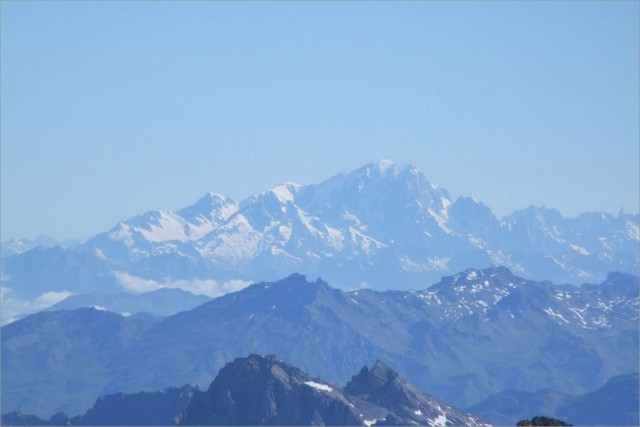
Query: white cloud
{"points": [[14, 309], [136, 285], [209, 287], [50, 298]]}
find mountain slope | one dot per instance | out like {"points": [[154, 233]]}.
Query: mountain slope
{"points": [[615, 403], [57, 361]]}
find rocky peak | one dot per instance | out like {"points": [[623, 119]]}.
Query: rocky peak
{"points": [[369, 381], [264, 390]]}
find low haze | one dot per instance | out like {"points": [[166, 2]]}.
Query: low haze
{"points": [[113, 108]]}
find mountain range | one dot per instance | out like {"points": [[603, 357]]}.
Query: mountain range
{"points": [[466, 338], [382, 226], [264, 390]]}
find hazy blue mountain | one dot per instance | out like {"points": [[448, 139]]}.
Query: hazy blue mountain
{"points": [[509, 406], [383, 225], [159, 303], [57, 361], [614, 404], [465, 338], [41, 270]]}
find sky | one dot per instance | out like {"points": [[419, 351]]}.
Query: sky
{"points": [[109, 109]]}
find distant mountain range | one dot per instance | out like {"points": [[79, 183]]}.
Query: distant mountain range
{"points": [[470, 336], [383, 226], [264, 390], [20, 244]]}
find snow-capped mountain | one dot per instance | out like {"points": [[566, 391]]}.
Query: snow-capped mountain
{"points": [[383, 226]]}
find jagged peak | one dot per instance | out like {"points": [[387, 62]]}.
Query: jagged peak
{"points": [[370, 380], [540, 213], [210, 200], [210, 195]]}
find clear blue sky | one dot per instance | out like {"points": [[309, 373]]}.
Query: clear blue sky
{"points": [[110, 109]]}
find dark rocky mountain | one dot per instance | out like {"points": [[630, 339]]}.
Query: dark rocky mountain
{"points": [[464, 339], [161, 408], [383, 224], [407, 405], [263, 390], [614, 404]]}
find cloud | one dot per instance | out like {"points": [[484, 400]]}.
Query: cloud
{"points": [[136, 285], [209, 287], [14, 309]]}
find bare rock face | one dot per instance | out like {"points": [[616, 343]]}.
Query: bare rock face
{"points": [[263, 390], [404, 403]]}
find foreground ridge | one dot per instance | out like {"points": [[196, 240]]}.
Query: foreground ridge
{"points": [[264, 390]]}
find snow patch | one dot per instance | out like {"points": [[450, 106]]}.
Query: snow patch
{"points": [[581, 250], [283, 192], [318, 386], [633, 230], [552, 313], [440, 420]]}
